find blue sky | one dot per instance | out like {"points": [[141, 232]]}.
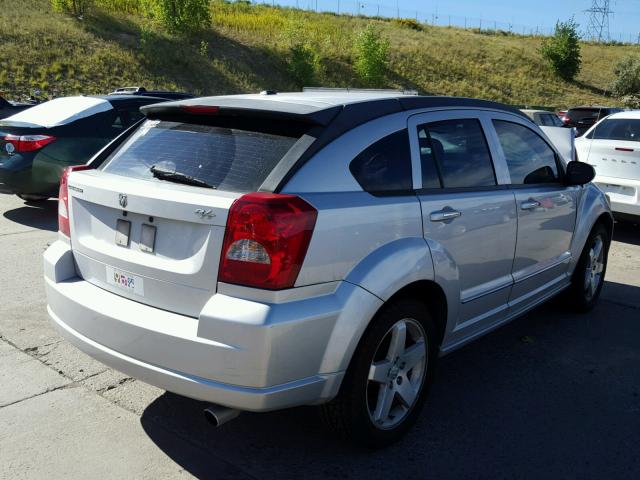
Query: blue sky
{"points": [[517, 15]]}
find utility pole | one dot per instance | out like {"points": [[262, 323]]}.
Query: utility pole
{"points": [[599, 14]]}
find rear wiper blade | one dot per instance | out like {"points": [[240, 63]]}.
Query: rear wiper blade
{"points": [[178, 177]]}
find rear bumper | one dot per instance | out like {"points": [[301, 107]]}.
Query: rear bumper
{"points": [[240, 353], [623, 193], [26, 175]]}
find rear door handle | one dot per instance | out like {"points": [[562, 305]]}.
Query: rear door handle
{"points": [[444, 215], [529, 204]]}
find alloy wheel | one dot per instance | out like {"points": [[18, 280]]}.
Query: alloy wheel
{"points": [[594, 268], [397, 373]]}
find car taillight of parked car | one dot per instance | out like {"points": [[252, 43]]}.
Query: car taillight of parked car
{"points": [[266, 240], [64, 226], [28, 143]]}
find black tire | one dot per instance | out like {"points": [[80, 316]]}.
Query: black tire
{"points": [[27, 197], [349, 413], [580, 296]]}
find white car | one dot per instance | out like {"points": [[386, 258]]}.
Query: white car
{"points": [[612, 146]]}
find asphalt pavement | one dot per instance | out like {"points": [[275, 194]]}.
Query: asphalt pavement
{"points": [[551, 395]]}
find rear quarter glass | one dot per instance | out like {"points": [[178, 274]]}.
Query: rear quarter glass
{"points": [[229, 159]]}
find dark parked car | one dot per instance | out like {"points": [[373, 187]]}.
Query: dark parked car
{"points": [[37, 144], [8, 108], [583, 118], [143, 92]]}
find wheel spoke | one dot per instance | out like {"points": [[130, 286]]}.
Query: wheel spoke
{"points": [[398, 340], [593, 286], [406, 392], [412, 355], [597, 248], [383, 407], [600, 267], [378, 371]]}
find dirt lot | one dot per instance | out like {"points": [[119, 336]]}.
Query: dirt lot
{"points": [[551, 395]]}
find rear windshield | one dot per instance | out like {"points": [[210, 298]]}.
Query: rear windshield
{"points": [[617, 129], [60, 111], [228, 159]]}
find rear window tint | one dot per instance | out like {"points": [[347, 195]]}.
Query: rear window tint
{"points": [[625, 129], [229, 159]]}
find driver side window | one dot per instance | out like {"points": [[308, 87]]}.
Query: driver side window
{"points": [[529, 159]]}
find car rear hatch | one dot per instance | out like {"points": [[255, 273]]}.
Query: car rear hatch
{"points": [[159, 242], [614, 148]]}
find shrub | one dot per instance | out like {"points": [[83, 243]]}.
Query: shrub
{"points": [[304, 62], [182, 16], [77, 8], [302, 58], [562, 50], [631, 101], [627, 81], [409, 23], [372, 56]]}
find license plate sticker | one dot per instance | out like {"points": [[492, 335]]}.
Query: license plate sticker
{"points": [[125, 281]]}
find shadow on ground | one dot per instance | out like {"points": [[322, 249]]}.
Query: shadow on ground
{"points": [[551, 395], [42, 215], [627, 232]]}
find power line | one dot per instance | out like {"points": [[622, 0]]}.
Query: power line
{"points": [[599, 14]]}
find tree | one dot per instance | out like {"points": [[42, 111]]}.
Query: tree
{"points": [[562, 51], [183, 16], [77, 8], [372, 56]]}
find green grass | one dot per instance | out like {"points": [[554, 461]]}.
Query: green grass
{"points": [[246, 51]]}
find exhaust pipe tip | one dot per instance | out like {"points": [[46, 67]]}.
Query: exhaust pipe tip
{"points": [[218, 415]]}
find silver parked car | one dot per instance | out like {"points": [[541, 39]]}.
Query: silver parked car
{"points": [[266, 251]]}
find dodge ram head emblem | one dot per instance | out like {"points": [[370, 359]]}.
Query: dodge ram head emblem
{"points": [[122, 200]]}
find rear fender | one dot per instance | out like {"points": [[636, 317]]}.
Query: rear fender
{"points": [[394, 265], [382, 273]]}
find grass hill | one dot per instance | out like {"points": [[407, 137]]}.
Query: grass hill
{"points": [[246, 49]]}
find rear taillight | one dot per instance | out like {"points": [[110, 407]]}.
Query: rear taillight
{"points": [[63, 199], [266, 240], [28, 143]]}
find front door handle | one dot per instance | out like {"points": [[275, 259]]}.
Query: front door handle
{"points": [[444, 215], [529, 204]]}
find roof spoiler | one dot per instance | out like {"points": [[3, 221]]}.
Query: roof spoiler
{"points": [[236, 108]]}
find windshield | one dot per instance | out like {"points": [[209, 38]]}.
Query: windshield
{"points": [[224, 158], [617, 129]]}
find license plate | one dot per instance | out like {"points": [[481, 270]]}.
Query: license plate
{"points": [[125, 281]]}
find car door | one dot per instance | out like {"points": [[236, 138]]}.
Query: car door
{"points": [[469, 216], [546, 211]]}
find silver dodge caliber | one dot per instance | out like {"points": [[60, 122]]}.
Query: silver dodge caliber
{"points": [[324, 248]]}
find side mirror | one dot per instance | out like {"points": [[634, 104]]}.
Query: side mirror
{"points": [[579, 173]]}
